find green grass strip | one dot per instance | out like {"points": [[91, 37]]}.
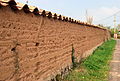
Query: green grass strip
{"points": [[95, 67]]}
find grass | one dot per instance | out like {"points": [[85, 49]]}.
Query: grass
{"points": [[95, 67]]}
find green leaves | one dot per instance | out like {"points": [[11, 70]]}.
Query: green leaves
{"points": [[96, 66]]}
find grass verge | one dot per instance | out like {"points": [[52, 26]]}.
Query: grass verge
{"points": [[96, 66]]}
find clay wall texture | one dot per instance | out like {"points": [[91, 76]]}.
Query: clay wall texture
{"points": [[35, 48]]}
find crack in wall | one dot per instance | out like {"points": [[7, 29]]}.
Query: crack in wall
{"points": [[16, 60]]}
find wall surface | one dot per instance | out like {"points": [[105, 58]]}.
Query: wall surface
{"points": [[35, 48]]}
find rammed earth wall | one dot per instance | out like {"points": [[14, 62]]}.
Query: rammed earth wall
{"points": [[36, 48]]}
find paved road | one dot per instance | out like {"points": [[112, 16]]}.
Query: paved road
{"points": [[115, 64]]}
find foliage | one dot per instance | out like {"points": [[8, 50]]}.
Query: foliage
{"points": [[73, 58], [96, 66], [112, 32]]}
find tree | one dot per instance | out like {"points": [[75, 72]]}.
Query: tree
{"points": [[118, 27]]}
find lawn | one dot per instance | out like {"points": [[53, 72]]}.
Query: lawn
{"points": [[95, 67]]}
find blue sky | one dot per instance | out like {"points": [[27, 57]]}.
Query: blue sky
{"points": [[76, 9]]}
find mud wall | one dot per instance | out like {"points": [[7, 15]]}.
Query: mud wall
{"points": [[35, 48]]}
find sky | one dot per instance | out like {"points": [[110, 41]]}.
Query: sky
{"points": [[99, 9]]}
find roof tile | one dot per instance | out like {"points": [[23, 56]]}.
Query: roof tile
{"points": [[42, 12]]}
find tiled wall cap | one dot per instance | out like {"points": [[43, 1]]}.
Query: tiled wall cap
{"points": [[66, 19], [26, 8], [69, 19], [55, 16], [36, 11], [12, 5], [43, 13], [49, 15], [63, 18], [60, 17]]}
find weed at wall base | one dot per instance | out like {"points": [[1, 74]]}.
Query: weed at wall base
{"points": [[95, 67]]}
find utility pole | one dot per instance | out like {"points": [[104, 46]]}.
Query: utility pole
{"points": [[115, 34]]}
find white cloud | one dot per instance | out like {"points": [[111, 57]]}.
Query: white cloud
{"points": [[102, 13], [107, 11]]}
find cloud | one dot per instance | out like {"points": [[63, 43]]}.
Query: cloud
{"points": [[108, 11], [102, 12]]}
